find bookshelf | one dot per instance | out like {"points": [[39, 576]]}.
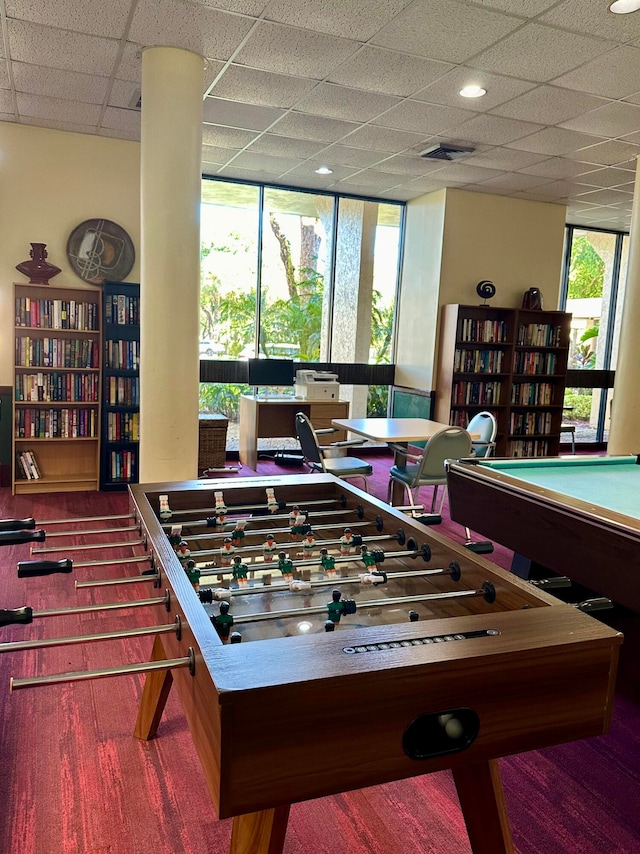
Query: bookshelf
{"points": [[56, 390], [119, 444], [511, 362]]}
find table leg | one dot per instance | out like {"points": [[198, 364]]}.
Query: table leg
{"points": [[260, 832], [154, 696], [482, 800]]}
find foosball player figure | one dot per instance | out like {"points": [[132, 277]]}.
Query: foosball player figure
{"points": [[285, 565], [367, 557], [183, 552], [297, 522], [223, 621], [327, 562], [329, 626], [226, 552], [269, 548], [165, 510], [413, 616], [346, 542], [193, 574], [308, 544], [175, 536], [272, 504], [237, 535], [240, 571], [221, 509], [339, 607]]}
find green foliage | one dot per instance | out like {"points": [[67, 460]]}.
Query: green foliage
{"points": [[586, 273], [223, 398], [377, 401], [580, 400], [584, 358]]}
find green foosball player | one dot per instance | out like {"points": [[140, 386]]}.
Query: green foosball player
{"points": [[285, 565], [328, 562], [223, 621], [193, 574], [240, 571], [339, 607]]}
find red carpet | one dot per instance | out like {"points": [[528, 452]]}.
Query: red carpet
{"points": [[73, 780]]}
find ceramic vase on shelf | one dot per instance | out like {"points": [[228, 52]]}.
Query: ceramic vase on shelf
{"points": [[38, 268]]}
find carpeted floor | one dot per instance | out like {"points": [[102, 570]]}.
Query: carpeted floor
{"points": [[73, 780]]}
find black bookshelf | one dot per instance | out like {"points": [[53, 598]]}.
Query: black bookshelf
{"points": [[119, 448]]}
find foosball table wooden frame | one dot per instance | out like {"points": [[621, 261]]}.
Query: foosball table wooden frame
{"points": [[532, 670]]}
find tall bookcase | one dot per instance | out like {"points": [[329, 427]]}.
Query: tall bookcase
{"points": [[512, 362], [120, 385], [56, 425]]}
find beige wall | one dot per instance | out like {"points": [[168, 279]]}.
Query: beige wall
{"points": [[50, 182], [456, 238]]}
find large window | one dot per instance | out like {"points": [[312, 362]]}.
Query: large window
{"points": [[593, 287], [296, 274]]}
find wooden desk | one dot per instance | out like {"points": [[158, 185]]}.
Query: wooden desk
{"points": [[272, 417], [400, 431]]}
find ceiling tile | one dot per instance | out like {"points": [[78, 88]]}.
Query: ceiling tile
{"points": [[339, 102], [286, 50], [56, 124], [375, 181], [527, 8], [393, 73], [6, 104], [607, 197], [115, 117], [61, 49], [213, 154], [345, 156], [421, 117], [265, 162], [499, 89], [352, 19], [506, 159], [57, 83], [234, 114], [548, 105], [214, 34], [269, 143], [614, 119], [130, 65], [610, 153], [494, 130], [430, 184], [261, 87], [536, 52], [512, 182], [303, 126], [120, 133], [594, 19], [124, 93], [308, 169], [463, 173], [555, 167], [94, 17], [448, 31], [242, 7], [39, 106], [616, 74], [383, 139], [5, 83], [415, 165], [226, 137], [553, 140], [608, 177]]}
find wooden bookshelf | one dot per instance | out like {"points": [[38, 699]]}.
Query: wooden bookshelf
{"points": [[119, 446], [510, 362], [56, 387]]}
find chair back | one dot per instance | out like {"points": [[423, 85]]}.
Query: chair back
{"points": [[451, 443], [308, 440], [486, 425]]}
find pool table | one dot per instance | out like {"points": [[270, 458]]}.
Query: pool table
{"points": [[577, 516]]}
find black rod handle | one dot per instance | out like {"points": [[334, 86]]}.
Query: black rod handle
{"points": [[10, 538], [17, 524], [17, 615], [30, 568]]}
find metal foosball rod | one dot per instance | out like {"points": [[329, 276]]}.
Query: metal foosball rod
{"points": [[45, 643], [85, 546], [124, 670], [213, 521], [273, 531], [114, 582], [32, 568], [26, 615], [81, 519], [89, 531], [223, 510]]}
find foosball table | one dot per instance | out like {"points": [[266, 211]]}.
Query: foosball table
{"points": [[388, 650]]}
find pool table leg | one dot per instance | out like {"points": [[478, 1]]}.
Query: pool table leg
{"points": [[260, 832], [482, 800]]}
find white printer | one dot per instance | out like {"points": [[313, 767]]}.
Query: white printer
{"points": [[317, 385]]}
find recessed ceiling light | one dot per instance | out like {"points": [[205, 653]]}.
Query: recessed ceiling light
{"points": [[324, 170], [473, 92], [623, 7]]}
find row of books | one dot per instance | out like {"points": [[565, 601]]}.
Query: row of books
{"points": [[56, 314], [57, 387], [525, 423], [488, 331], [469, 393], [461, 418], [528, 448], [123, 426], [538, 335], [122, 355], [32, 423], [122, 391], [478, 361], [57, 352], [27, 466], [535, 363], [533, 394], [123, 466], [122, 309]]}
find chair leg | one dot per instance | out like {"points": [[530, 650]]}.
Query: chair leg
{"points": [[444, 492], [434, 499]]}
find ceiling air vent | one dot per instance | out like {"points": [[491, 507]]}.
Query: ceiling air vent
{"points": [[446, 152]]}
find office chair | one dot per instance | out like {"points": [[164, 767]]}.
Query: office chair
{"points": [[427, 469], [485, 424], [318, 459]]}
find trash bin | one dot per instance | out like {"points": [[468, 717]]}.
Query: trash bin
{"points": [[212, 445]]}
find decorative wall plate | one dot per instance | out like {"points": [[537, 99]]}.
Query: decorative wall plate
{"points": [[99, 249]]}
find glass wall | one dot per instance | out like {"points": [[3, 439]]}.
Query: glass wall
{"points": [[594, 287], [297, 275]]}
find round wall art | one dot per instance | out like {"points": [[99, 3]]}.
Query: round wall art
{"points": [[99, 249]]}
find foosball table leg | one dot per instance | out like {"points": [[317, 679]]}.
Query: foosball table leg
{"points": [[482, 800], [154, 696], [260, 832]]}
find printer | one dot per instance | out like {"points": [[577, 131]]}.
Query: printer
{"points": [[316, 385]]}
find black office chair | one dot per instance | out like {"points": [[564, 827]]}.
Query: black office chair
{"points": [[318, 459]]}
